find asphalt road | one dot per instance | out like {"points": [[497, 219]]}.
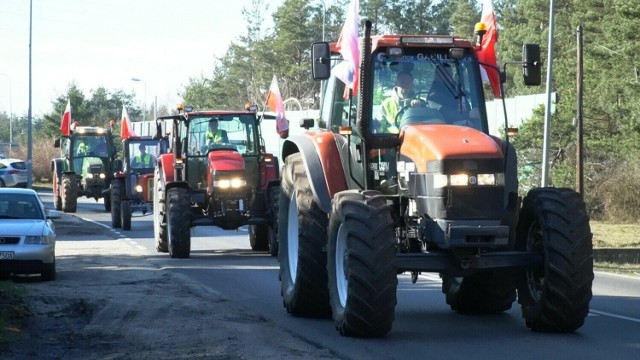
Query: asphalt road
{"points": [[424, 326]]}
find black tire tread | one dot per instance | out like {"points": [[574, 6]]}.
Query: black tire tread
{"points": [[178, 223], [567, 247], [115, 193], [372, 276]]}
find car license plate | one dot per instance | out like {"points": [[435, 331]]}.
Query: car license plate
{"points": [[6, 255]]}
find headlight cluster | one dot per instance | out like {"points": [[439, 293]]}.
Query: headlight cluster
{"points": [[442, 180], [39, 240], [138, 188], [234, 183]]}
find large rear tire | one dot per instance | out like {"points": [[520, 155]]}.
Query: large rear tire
{"points": [[115, 194], [488, 292], [555, 294], [259, 237], [274, 203], [302, 239], [361, 264], [125, 212], [179, 223], [69, 193], [159, 214]]}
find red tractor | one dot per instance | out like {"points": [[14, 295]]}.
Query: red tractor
{"points": [[217, 174], [132, 185], [426, 189]]}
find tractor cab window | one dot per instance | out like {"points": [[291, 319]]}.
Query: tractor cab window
{"points": [[90, 145], [143, 155], [231, 132], [425, 86]]}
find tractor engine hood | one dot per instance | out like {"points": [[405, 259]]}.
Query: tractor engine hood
{"points": [[424, 143], [225, 160]]}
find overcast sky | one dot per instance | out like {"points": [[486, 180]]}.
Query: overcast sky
{"points": [[107, 42]]}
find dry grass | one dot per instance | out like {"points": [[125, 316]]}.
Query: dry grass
{"points": [[615, 235]]}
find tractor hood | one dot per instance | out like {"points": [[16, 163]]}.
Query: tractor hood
{"points": [[422, 143], [225, 160]]}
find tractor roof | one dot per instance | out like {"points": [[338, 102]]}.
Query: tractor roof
{"points": [[420, 41]]}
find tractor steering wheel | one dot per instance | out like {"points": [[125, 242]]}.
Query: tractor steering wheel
{"points": [[420, 96]]}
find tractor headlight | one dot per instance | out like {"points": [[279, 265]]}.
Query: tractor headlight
{"points": [[230, 183], [138, 188], [459, 180], [102, 175], [440, 181], [487, 179]]}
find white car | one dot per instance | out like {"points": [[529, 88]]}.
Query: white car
{"points": [[27, 234], [13, 173]]}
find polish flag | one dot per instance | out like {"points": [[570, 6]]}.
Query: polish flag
{"points": [[487, 53], [126, 130], [65, 124], [347, 45], [275, 103]]}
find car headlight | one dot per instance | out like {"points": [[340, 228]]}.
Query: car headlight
{"points": [[39, 240]]}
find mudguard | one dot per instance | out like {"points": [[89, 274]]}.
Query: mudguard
{"points": [[269, 171], [165, 162], [322, 163]]}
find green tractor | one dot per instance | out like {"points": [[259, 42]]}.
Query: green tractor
{"points": [[85, 167]]}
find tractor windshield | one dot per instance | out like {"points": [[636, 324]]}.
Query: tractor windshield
{"points": [[235, 132], [425, 86], [90, 145]]}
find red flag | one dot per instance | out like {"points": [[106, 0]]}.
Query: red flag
{"points": [[347, 44], [126, 130], [487, 52], [66, 119], [275, 103]]}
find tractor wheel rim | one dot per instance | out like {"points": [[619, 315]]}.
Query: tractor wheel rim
{"points": [[342, 282]]}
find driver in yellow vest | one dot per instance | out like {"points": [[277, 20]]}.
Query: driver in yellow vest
{"points": [[402, 92], [143, 160], [215, 135]]}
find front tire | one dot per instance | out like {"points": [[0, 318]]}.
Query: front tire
{"points": [[159, 214], [361, 264], [107, 203], [57, 199], [488, 292], [178, 223], [259, 237], [115, 194], [274, 200], [69, 192], [302, 239], [554, 295], [125, 212]]}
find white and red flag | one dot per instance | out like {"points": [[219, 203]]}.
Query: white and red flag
{"points": [[126, 129], [348, 46], [275, 103], [65, 124], [487, 53]]}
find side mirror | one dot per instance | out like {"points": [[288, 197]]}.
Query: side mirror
{"points": [[306, 123], [532, 66], [320, 60]]}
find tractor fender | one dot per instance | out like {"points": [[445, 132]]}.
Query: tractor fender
{"points": [[322, 163], [165, 162], [269, 172]]}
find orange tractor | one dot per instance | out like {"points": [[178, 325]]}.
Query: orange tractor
{"points": [[427, 189], [221, 177]]}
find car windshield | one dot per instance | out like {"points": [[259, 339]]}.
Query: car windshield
{"points": [[19, 206]]}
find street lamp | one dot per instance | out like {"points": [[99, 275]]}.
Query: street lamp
{"points": [[144, 113], [10, 116], [324, 15]]}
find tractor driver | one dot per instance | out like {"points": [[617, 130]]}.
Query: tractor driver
{"points": [[215, 135], [143, 160], [403, 95]]}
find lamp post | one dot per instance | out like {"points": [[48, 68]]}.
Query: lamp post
{"points": [[10, 115], [324, 15], [144, 113]]}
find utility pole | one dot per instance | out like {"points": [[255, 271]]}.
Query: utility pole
{"points": [[579, 120]]}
